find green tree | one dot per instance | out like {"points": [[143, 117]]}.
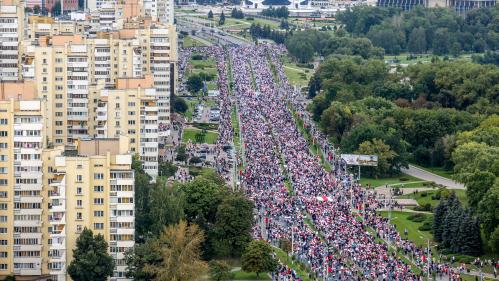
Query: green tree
{"points": [[472, 156], [142, 208], [438, 219], [194, 84], [222, 19], [210, 14], [166, 205], [57, 9], [494, 240], [180, 250], [417, 41], [137, 258], [232, 229], [179, 104], [258, 258], [477, 185], [384, 153], [91, 262], [220, 270], [488, 211], [336, 120], [36, 9], [167, 169]]}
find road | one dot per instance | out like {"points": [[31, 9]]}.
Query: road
{"points": [[428, 176]]}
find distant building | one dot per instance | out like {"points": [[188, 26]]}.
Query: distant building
{"points": [[461, 7]]}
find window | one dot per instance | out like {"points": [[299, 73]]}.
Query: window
{"points": [[3, 230], [3, 242], [98, 188], [79, 228], [79, 178], [3, 218], [98, 213], [98, 201], [3, 254], [79, 190], [3, 145], [79, 216], [3, 194], [3, 206], [98, 176], [79, 203], [3, 266], [4, 121], [3, 182], [98, 225]]}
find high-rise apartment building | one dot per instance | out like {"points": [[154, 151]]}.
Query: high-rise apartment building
{"points": [[160, 10], [47, 196], [93, 189], [21, 144], [12, 31]]}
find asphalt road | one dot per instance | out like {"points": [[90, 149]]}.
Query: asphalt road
{"points": [[427, 176]]}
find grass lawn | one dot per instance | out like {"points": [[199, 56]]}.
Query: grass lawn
{"points": [[191, 42], [399, 180], [423, 200], [192, 134], [414, 234], [243, 275], [297, 75]]}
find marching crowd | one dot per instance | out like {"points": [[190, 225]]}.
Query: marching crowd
{"points": [[330, 221]]}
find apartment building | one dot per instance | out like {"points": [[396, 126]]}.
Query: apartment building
{"points": [[12, 31], [22, 132], [129, 109], [94, 188], [160, 10]]}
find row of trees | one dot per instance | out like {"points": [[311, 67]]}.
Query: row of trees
{"points": [[420, 30], [281, 12], [237, 14], [257, 31], [456, 229], [476, 158], [363, 107], [304, 45]]}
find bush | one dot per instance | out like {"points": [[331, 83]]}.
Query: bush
{"points": [[424, 194], [403, 179], [425, 208], [427, 226], [250, 19], [417, 217], [197, 57]]}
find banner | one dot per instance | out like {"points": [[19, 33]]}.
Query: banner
{"points": [[360, 160]]}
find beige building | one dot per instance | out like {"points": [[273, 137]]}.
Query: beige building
{"points": [[12, 32], [92, 189], [48, 195]]}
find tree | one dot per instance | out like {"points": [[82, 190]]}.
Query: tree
{"points": [[142, 208], [194, 84], [179, 104], [232, 229], [210, 14], [166, 205], [180, 249], [91, 262], [384, 153], [137, 258], [57, 9], [220, 271], [477, 185], [167, 169], [36, 9], [258, 258], [488, 211], [417, 41], [222, 19], [494, 240], [336, 120], [438, 219], [472, 156]]}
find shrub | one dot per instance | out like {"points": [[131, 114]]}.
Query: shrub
{"points": [[427, 226], [424, 194], [417, 217], [403, 179], [197, 57]]}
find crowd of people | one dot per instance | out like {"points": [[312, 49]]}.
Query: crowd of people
{"points": [[330, 220]]}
